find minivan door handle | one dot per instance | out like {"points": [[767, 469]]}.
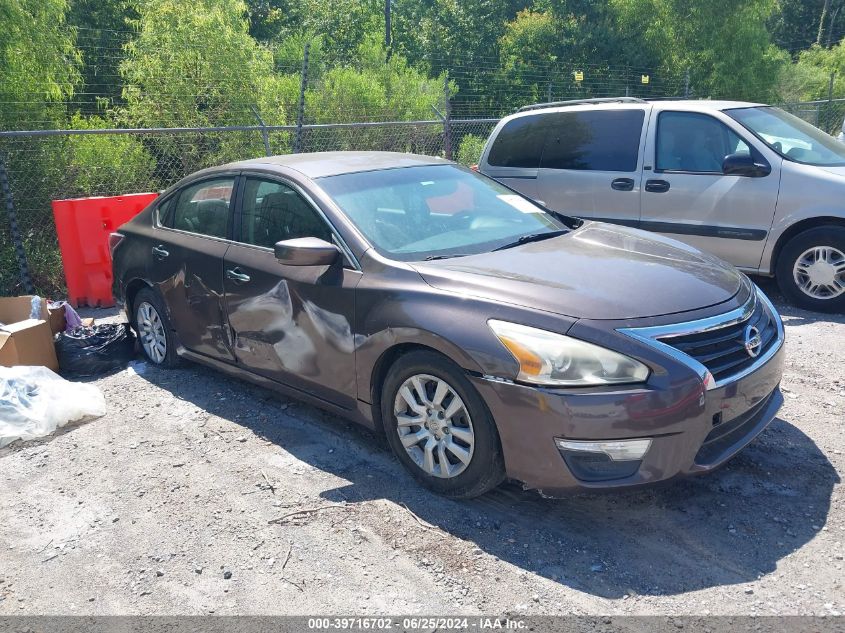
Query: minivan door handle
{"points": [[159, 253], [657, 186], [237, 276], [623, 184]]}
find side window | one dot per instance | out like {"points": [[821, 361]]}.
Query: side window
{"points": [[519, 143], [165, 211], [273, 212], [201, 208], [594, 140], [689, 141]]}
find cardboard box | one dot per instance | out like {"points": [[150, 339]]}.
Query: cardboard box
{"points": [[57, 319], [25, 341]]}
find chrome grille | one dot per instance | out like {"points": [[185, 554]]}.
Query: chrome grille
{"points": [[722, 350], [716, 345]]}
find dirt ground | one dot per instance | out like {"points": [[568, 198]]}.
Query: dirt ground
{"points": [[166, 506]]}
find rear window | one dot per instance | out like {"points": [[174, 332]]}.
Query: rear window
{"points": [[603, 140], [519, 143]]}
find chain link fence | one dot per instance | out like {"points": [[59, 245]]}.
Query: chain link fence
{"points": [[47, 165], [827, 115], [75, 149]]}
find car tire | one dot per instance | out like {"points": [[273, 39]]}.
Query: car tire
{"points": [[458, 455], [808, 263], [152, 325]]}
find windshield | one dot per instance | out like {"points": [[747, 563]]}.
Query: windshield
{"points": [[791, 137], [415, 213]]}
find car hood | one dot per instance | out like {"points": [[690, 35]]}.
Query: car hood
{"points": [[599, 271], [837, 170]]}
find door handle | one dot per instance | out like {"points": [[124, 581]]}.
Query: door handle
{"points": [[623, 184], [657, 186], [237, 276], [159, 252]]}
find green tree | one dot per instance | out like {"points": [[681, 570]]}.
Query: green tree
{"points": [[437, 32], [39, 70], [107, 164], [724, 45], [810, 79], [194, 64], [795, 25], [373, 90], [38, 60], [100, 26]]}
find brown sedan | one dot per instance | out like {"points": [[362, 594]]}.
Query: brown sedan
{"points": [[484, 335]]}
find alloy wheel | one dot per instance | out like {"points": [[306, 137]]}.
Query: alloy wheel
{"points": [[819, 272], [434, 426], [151, 332]]}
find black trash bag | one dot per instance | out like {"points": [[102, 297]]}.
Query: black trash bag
{"points": [[95, 350]]}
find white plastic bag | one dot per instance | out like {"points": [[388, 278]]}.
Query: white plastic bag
{"points": [[35, 401]]}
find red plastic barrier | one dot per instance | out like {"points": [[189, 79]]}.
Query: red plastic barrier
{"points": [[83, 226]]}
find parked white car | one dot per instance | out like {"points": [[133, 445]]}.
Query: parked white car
{"points": [[747, 182]]}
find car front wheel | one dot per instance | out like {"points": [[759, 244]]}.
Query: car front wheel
{"points": [[811, 269], [439, 428]]}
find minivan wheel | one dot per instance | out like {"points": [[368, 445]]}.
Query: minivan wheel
{"points": [[154, 332], [439, 428], [811, 269]]}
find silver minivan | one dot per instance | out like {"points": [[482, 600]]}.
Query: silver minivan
{"points": [[750, 183]]}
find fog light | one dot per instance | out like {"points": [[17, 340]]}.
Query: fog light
{"points": [[616, 450]]}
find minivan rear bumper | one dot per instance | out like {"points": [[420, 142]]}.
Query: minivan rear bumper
{"points": [[692, 430]]}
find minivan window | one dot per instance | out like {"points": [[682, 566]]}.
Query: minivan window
{"points": [[791, 137], [594, 140], [519, 142], [202, 208], [693, 142]]}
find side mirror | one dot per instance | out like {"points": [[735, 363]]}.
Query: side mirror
{"points": [[743, 165], [306, 251]]}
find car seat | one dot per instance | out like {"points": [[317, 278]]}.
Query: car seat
{"points": [[212, 217]]}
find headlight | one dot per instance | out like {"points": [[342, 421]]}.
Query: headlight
{"points": [[546, 358]]}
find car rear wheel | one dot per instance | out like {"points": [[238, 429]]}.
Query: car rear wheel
{"points": [[439, 428], [154, 331], [811, 269]]}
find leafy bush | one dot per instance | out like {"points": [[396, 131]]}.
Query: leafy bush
{"points": [[469, 150], [109, 164]]}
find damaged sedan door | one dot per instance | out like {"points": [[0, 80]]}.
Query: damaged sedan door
{"points": [[186, 257], [290, 320]]}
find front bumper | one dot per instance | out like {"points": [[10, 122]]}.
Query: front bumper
{"points": [[693, 429]]}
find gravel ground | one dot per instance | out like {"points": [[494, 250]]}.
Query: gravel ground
{"points": [[167, 505]]}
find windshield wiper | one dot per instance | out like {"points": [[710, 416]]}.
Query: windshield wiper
{"points": [[433, 257], [531, 237]]}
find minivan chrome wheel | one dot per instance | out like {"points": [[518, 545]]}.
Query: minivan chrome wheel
{"points": [[151, 332], [819, 272], [434, 426]]}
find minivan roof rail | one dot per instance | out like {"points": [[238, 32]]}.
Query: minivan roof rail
{"points": [[557, 104]]}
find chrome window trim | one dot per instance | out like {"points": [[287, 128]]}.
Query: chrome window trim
{"points": [[650, 335]]}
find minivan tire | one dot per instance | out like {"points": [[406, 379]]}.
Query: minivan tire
{"points": [[148, 297], [485, 469], [830, 236]]}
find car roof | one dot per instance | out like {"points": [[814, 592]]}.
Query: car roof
{"points": [[692, 105], [703, 104], [320, 164]]}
